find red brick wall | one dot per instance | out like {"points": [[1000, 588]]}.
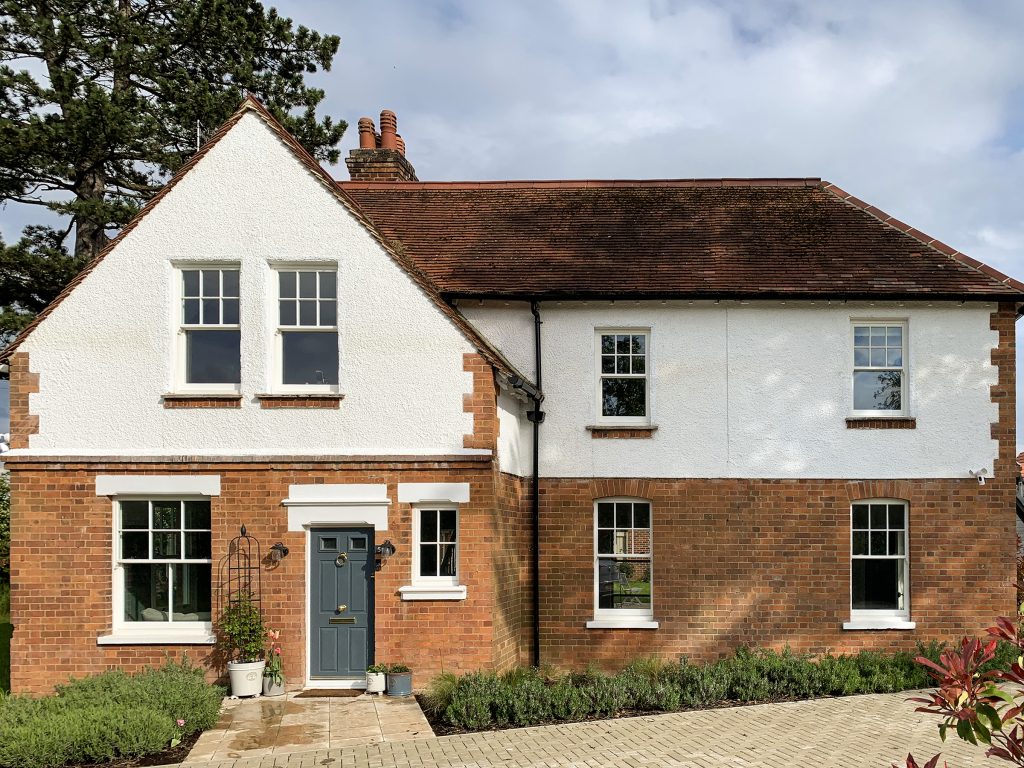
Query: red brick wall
{"points": [[511, 563], [23, 383], [61, 555], [482, 403], [766, 563]]}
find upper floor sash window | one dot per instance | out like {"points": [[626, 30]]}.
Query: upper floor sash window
{"points": [[209, 329], [307, 314], [880, 368], [623, 364]]}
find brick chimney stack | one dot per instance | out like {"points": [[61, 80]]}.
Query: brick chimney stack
{"points": [[381, 156]]}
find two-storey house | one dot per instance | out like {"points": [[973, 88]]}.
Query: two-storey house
{"points": [[494, 423]]}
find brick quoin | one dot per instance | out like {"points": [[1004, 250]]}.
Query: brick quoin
{"points": [[23, 383], [482, 403]]}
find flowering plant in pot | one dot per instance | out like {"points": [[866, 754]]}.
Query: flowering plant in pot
{"points": [[273, 673], [241, 636], [375, 678], [399, 680]]}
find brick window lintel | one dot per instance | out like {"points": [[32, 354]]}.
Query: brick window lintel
{"points": [[884, 422], [610, 432], [201, 400], [300, 400]]}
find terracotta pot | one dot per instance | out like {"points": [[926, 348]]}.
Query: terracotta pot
{"points": [[246, 677]]}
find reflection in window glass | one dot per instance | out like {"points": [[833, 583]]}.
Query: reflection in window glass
{"points": [[210, 319], [165, 560], [623, 558], [438, 542], [307, 317], [310, 358], [623, 371], [879, 556], [878, 367]]}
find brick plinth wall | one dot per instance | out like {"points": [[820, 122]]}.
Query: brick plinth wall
{"points": [[61, 552], [767, 563]]}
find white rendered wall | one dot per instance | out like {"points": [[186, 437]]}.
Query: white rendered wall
{"points": [[515, 436], [508, 325], [105, 355], [761, 389]]}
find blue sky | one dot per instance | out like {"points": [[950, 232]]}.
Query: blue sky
{"points": [[916, 107]]}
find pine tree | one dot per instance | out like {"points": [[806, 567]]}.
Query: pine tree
{"points": [[102, 100]]}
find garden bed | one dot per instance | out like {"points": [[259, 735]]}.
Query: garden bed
{"points": [[112, 719], [525, 696], [170, 756]]}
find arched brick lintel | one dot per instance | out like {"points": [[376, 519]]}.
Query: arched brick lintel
{"points": [[879, 489], [605, 487]]}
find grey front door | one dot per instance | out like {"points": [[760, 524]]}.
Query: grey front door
{"points": [[341, 602]]}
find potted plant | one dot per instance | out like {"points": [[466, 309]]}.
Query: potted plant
{"points": [[399, 680], [375, 678], [273, 673], [241, 637]]}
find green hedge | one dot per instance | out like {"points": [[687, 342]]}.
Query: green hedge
{"points": [[526, 696], [107, 716]]}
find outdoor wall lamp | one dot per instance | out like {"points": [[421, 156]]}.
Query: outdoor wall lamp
{"points": [[383, 552], [278, 552]]}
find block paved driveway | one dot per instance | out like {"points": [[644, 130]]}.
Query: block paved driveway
{"points": [[857, 731]]}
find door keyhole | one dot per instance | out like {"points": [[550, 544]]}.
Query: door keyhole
{"points": [[341, 559]]}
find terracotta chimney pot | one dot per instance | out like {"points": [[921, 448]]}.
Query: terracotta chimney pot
{"points": [[367, 139], [388, 130], [380, 156]]}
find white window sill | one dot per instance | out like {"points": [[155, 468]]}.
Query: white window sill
{"points": [[197, 637], [879, 624], [622, 624], [432, 592]]}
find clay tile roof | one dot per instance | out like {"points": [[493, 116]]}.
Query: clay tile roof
{"points": [[716, 237]]}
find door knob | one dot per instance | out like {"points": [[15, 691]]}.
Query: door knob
{"points": [[342, 607], [341, 559]]}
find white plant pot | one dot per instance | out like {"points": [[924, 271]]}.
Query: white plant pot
{"points": [[246, 677], [375, 682]]}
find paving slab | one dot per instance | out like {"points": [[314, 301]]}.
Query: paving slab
{"points": [[870, 731], [250, 729]]}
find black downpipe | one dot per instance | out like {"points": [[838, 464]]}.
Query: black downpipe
{"points": [[536, 416]]}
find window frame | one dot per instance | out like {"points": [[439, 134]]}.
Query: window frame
{"points": [[435, 581], [121, 626], [623, 615], [623, 421], [181, 328], [277, 355], [882, 615], [904, 369]]}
